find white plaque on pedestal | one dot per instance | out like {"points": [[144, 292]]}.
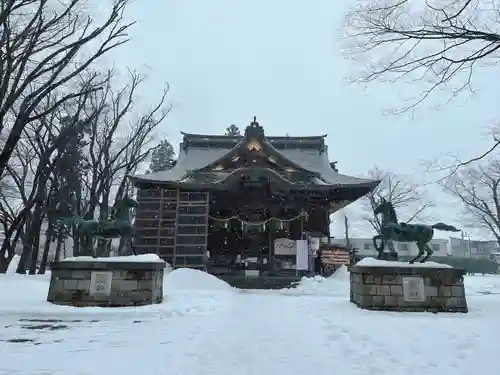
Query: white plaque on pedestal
{"points": [[413, 289], [100, 283]]}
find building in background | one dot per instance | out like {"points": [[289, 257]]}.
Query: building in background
{"points": [[467, 248]]}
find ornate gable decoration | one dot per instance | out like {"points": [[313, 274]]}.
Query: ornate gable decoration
{"points": [[255, 151], [254, 132], [254, 145]]}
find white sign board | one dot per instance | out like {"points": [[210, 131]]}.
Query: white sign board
{"points": [[100, 283], [302, 257], [284, 246], [413, 289]]}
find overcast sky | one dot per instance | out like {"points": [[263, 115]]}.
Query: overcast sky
{"points": [[227, 61]]}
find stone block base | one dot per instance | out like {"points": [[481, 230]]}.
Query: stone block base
{"points": [[404, 288], [106, 284]]}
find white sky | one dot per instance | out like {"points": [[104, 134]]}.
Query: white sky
{"points": [[227, 61]]}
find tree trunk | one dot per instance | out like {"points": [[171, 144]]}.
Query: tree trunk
{"points": [[30, 248], [7, 251], [60, 241], [102, 245], [34, 238], [5, 261], [49, 234], [25, 254], [76, 242]]}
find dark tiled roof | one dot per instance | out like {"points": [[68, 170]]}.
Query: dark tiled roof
{"points": [[197, 151]]}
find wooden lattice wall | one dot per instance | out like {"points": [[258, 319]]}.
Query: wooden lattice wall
{"points": [[173, 223]]}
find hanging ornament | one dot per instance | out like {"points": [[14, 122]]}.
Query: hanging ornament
{"points": [[258, 222]]}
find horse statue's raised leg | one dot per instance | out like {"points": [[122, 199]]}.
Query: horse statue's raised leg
{"points": [[421, 249], [429, 252]]}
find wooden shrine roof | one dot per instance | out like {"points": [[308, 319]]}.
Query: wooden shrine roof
{"points": [[198, 151]]}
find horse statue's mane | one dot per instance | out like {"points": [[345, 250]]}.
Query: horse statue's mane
{"points": [[392, 211]]}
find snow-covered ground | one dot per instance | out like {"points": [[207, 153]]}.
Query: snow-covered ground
{"points": [[204, 327]]}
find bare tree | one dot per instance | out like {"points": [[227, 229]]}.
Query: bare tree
{"points": [[15, 198], [45, 45], [408, 198], [55, 131], [478, 190], [436, 43], [121, 139]]}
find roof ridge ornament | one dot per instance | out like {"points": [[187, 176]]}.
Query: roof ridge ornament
{"points": [[254, 130]]}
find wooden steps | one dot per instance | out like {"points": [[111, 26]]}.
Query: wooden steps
{"points": [[260, 282]]}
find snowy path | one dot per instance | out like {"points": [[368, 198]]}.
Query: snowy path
{"points": [[313, 330], [261, 334]]}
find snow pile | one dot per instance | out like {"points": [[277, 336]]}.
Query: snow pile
{"points": [[143, 258], [342, 274], [336, 285], [11, 269], [193, 292], [372, 262], [190, 279], [168, 268]]}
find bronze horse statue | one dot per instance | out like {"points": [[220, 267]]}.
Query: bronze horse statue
{"points": [[392, 230], [118, 225]]}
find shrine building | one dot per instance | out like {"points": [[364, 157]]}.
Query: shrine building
{"points": [[237, 205]]}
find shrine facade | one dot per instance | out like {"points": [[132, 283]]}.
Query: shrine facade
{"points": [[238, 204]]}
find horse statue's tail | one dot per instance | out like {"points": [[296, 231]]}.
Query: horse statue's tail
{"points": [[445, 227]]}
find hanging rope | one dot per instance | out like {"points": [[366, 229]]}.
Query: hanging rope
{"points": [[257, 222]]}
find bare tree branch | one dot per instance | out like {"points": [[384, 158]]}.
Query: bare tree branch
{"points": [[478, 189], [409, 199], [435, 43], [121, 138], [41, 50]]}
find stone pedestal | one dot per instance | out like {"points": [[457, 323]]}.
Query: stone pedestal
{"points": [[103, 283], [405, 288]]}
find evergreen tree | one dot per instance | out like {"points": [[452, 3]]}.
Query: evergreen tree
{"points": [[162, 157], [69, 170], [233, 130], [65, 191]]}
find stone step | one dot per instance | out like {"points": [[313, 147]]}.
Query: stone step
{"points": [[260, 282]]}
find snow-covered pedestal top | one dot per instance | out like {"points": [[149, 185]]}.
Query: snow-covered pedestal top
{"points": [[372, 262], [143, 258], [131, 262]]}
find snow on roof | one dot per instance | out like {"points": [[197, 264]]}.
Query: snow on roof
{"points": [[192, 158], [372, 262]]}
